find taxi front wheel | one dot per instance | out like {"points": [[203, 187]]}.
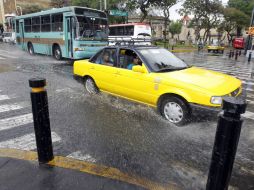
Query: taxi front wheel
{"points": [[90, 86], [175, 110]]}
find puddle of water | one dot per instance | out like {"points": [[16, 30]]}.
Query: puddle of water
{"points": [[5, 68]]}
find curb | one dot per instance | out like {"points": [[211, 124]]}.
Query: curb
{"points": [[182, 50], [89, 168]]}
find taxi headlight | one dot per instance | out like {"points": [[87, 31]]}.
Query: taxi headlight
{"points": [[216, 100]]}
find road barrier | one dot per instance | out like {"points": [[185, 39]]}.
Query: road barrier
{"points": [[249, 58], [42, 130], [236, 55], [226, 142]]}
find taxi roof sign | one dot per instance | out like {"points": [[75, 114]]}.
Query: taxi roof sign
{"points": [[251, 30]]}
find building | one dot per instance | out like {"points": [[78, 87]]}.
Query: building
{"points": [[8, 7]]}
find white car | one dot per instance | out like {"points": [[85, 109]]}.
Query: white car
{"points": [[9, 37]]}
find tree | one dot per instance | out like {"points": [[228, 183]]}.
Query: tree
{"points": [[234, 20], [143, 5], [174, 28], [31, 9], [165, 5], [241, 11], [58, 3], [111, 4], [206, 13]]}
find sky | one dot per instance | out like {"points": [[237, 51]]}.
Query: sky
{"points": [[174, 14]]}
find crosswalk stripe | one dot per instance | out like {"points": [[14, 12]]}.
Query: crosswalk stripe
{"points": [[4, 97], [249, 115], [248, 83], [17, 121], [5, 55], [1, 50], [26, 142], [10, 107], [79, 156], [1, 57], [250, 101]]}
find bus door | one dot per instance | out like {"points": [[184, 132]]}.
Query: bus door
{"points": [[69, 35], [22, 36]]}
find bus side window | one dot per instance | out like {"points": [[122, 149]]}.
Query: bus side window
{"points": [[28, 25], [57, 22], [17, 26], [45, 23]]}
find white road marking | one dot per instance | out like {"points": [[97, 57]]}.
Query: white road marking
{"points": [[2, 58], [248, 83], [26, 142], [4, 51], [4, 97], [79, 156], [17, 121], [248, 114], [250, 102], [6, 55], [10, 107]]}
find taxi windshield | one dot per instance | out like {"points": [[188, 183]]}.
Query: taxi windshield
{"points": [[161, 60]]}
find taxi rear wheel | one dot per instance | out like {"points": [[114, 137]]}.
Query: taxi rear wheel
{"points": [[90, 86], [175, 110]]}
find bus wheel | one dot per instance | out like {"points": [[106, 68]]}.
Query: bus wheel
{"points": [[57, 52], [30, 49]]}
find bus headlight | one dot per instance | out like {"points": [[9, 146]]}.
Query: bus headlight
{"points": [[216, 100]]}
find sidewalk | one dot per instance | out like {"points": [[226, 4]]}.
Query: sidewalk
{"points": [[20, 170]]}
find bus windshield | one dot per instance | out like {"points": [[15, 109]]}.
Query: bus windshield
{"points": [[91, 27]]}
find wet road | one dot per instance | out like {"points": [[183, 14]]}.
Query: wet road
{"points": [[117, 133]]}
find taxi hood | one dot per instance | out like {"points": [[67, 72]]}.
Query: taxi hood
{"points": [[214, 82]]}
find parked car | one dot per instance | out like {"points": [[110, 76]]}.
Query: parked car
{"points": [[9, 37], [216, 48], [155, 77], [238, 43]]}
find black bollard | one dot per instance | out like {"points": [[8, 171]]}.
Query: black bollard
{"points": [[225, 144], [240, 52], [236, 55], [233, 53], [249, 58], [41, 120], [229, 55]]}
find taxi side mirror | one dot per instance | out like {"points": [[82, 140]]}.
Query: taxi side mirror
{"points": [[139, 69]]}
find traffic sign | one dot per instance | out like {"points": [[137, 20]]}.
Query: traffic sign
{"points": [[251, 31], [118, 13]]}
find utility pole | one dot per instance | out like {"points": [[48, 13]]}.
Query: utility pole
{"points": [[2, 12], [101, 5], [249, 40], [105, 4]]}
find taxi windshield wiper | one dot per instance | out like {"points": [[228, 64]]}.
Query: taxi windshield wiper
{"points": [[164, 68]]}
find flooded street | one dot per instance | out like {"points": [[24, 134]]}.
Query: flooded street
{"points": [[118, 133]]}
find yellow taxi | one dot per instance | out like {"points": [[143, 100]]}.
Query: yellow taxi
{"points": [[155, 77], [216, 48]]}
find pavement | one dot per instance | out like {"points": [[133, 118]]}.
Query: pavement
{"points": [[21, 169], [115, 133]]}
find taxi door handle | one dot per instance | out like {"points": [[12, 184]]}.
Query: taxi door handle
{"points": [[117, 72], [92, 67]]}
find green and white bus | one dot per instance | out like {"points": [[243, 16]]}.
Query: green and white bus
{"points": [[69, 32]]}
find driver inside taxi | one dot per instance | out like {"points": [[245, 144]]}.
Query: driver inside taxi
{"points": [[136, 61]]}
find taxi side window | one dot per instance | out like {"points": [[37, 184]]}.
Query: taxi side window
{"points": [[128, 59], [106, 57]]}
